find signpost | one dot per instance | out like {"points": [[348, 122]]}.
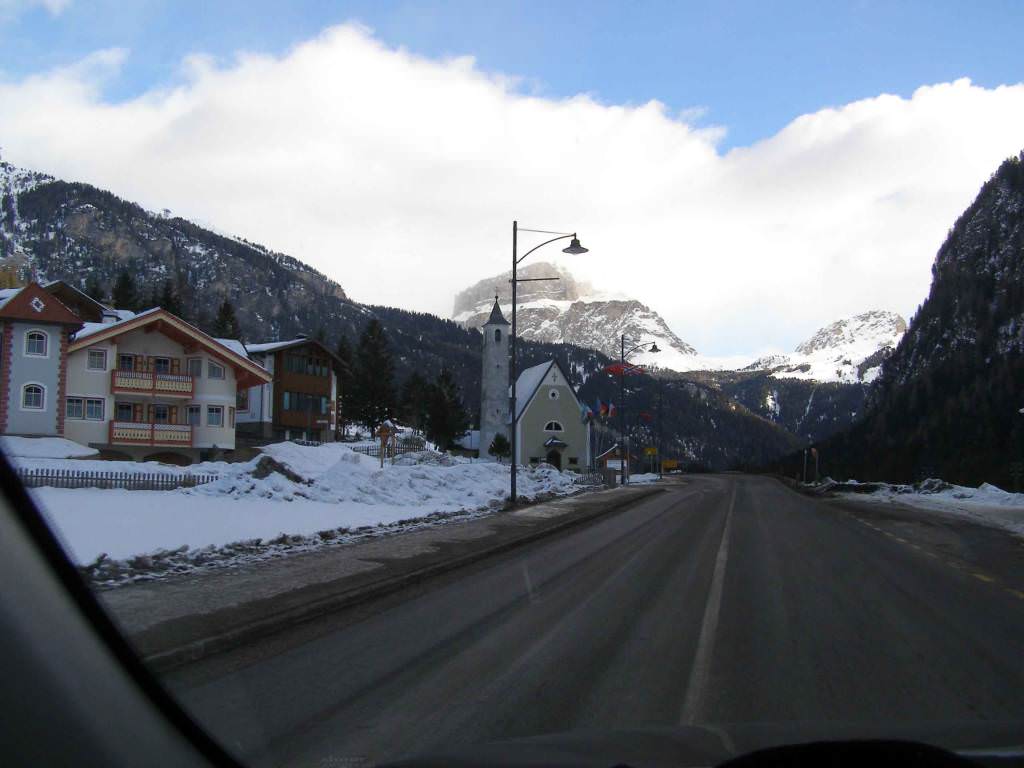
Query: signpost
{"points": [[384, 433]]}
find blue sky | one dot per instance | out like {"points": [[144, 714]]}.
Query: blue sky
{"points": [[753, 66]]}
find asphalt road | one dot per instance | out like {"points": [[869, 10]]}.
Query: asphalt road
{"points": [[728, 599]]}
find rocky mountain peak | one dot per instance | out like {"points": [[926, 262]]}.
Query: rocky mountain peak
{"points": [[878, 328]]}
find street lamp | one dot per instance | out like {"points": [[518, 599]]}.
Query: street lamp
{"points": [[574, 248], [622, 398]]}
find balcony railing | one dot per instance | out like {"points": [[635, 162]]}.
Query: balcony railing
{"points": [[150, 382], [149, 433]]}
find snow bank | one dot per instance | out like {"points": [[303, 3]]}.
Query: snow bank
{"points": [[329, 491], [986, 504], [647, 477], [43, 448]]}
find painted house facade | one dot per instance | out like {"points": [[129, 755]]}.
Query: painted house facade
{"points": [[154, 386], [550, 427], [300, 402], [34, 331]]}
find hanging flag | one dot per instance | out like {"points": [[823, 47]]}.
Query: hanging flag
{"points": [[602, 408], [620, 369], [611, 410]]}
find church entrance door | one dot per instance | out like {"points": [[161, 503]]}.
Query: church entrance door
{"points": [[555, 459]]}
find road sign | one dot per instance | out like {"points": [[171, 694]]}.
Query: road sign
{"points": [[650, 451], [670, 464]]}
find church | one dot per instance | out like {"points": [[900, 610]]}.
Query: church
{"points": [[550, 427]]}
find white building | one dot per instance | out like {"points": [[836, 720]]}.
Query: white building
{"points": [[154, 386]]}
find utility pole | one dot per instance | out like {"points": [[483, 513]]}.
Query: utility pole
{"points": [[512, 368]]}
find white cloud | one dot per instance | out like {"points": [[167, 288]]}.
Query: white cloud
{"points": [[400, 176], [11, 8]]}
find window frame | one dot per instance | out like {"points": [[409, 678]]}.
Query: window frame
{"points": [[103, 408], [131, 412], [46, 343], [242, 400], [88, 359], [165, 406], [156, 363], [122, 357], [210, 410], [42, 396], [198, 365], [211, 366], [197, 411], [556, 428], [81, 408]]}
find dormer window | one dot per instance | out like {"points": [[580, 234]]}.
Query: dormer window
{"points": [[36, 343]]}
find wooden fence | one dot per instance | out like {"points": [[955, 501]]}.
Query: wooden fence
{"points": [[130, 481]]}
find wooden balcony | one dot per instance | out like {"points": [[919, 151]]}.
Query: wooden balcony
{"points": [[151, 383], [149, 433]]}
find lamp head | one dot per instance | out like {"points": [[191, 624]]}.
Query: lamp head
{"points": [[654, 347], [574, 247]]}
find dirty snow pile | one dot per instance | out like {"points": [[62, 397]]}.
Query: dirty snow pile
{"points": [[985, 504], [288, 493]]}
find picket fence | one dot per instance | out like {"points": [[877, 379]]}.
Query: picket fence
{"points": [[588, 478], [392, 450], [130, 481]]}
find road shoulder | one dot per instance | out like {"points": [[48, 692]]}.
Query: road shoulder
{"points": [[184, 619]]}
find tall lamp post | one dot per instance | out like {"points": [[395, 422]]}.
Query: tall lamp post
{"points": [[573, 248], [622, 398]]}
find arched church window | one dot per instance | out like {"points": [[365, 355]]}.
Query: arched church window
{"points": [[553, 426], [497, 335]]}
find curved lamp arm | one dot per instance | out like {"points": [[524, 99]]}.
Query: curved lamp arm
{"points": [[546, 242]]}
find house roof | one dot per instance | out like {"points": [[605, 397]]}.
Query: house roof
{"points": [[274, 346], [84, 305], [235, 345], [529, 382], [33, 304], [247, 372], [496, 317]]}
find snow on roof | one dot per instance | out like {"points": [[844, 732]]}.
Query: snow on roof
{"points": [[234, 345], [270, 346], [6, 294], [88, 329], [527, 383]]}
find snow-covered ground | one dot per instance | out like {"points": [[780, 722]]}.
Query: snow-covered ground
{"points": [[332, 492], [17, 448], [986, 504]]}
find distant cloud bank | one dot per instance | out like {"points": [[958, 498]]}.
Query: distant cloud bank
{"points": [[400, 176]]}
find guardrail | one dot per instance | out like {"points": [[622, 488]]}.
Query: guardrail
{"points": [[129, 481]]}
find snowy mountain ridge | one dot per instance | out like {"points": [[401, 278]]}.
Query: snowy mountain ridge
{"points": [[567, 311], [571, 311]]}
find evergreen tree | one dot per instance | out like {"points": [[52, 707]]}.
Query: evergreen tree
{"points": [[500, 447], [125, 295], [373, 375], [168, 299], [414, 401], [94, 288], [226, 325], [446, 415], [343, 370]]}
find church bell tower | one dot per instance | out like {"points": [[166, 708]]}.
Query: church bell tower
{"points": [[494, 397]]}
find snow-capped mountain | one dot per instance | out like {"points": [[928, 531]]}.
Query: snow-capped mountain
{"points": [[850, 350], [569, 311]]}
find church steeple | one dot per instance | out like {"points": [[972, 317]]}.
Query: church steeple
{"points": [[496, 317], [494, 398]]}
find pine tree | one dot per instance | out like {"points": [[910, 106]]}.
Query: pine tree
{"points": [[168, 299], [125, 295], [343, 371], [373, 389], [226, 325], [94, 288], [500, 447], [446, 415], [414, 401]]}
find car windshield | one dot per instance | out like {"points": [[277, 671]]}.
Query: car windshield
{"points": [[410, 377]]}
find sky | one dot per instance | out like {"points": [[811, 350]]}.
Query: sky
{"points": [[750, 170]]}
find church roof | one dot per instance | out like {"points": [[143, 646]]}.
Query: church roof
{"points": [[496, 317], [529, 381]]}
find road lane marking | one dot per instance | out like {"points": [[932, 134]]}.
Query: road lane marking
{"points": [[983, 577], [709, 626]]}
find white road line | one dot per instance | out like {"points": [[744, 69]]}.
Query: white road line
{"points": [[709, 626]]}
